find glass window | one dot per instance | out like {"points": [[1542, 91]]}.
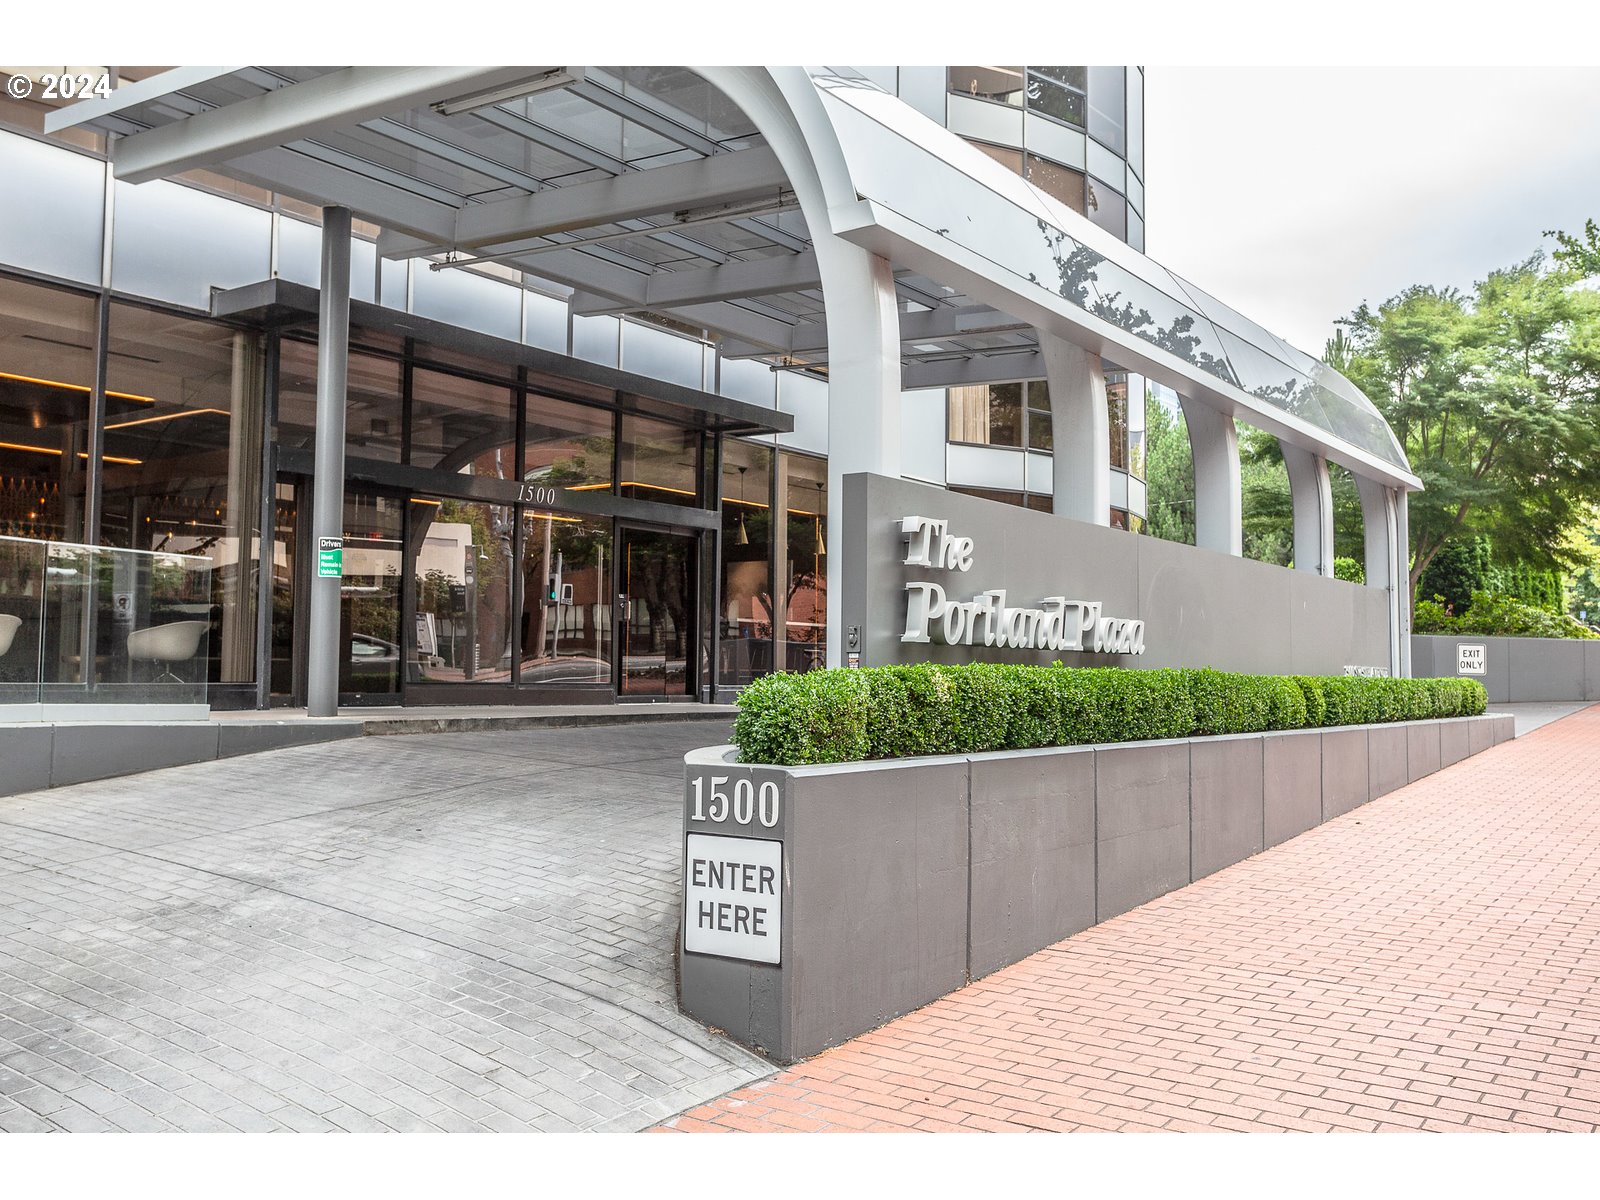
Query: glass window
{"points": [[183, 461], [746, 635], [1117, 417], [1041, 433], [805, 630], [1136, 121], [461, 554], [987, 414], [1063, 183], [1004, 85], [566, 626], [46, 372], [1107, 208], [1108, 107], [372, 423], [462, 425], [1057, 92], [567, 445], [1016, 499], [1011, 160], [369, 595], [660, 461]]}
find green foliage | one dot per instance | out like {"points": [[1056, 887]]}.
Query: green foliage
{"points": [[1495, 398], [1580, 255], [1460, 568], [1493, 615], [1350, 570], [897, 712], [1169, 474]]}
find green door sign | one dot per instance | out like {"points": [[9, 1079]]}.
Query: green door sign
{"points": [[330, 557]]}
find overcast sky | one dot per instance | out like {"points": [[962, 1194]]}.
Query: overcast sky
{"points": [[1296, 193]]}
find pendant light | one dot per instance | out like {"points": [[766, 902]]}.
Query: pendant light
{"points": [[742, 538]]}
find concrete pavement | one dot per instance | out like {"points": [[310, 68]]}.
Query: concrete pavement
{"points": [[454, 932]]}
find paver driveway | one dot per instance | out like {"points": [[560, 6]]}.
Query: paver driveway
{"points": [[456, 931], [1428, 961]]}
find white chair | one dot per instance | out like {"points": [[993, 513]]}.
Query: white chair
{"points": [[8, 631], [167, 644]]}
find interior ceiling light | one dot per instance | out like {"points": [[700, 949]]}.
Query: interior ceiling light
{"points": [[557, 77]]}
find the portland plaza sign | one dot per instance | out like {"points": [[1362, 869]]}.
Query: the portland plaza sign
{"points": [[989, 618]]}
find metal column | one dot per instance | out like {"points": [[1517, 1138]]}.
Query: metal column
{"points": [[327, 513]]}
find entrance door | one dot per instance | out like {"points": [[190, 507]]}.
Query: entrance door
{"points": [[656, 613]]}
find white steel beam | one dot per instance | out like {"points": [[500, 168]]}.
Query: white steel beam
{"points": [[733, 281], [323, 183], [978, 368], [721, 179], [302, 110], [130, 95]]}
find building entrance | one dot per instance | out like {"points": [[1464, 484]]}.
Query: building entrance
{"points": [[656, 613]]}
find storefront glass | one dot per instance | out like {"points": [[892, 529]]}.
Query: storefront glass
{"points": [[746, 583], [461, 564], [660, 462], [566, 627], [805, 632]]}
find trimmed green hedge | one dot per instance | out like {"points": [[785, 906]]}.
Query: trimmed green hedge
{"points": [[901, 712]]}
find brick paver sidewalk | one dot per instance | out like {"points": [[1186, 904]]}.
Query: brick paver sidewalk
{"points": [[1428, 961]]}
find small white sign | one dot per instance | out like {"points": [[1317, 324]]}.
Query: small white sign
{"points": [[1471, 660], [733, 897]]}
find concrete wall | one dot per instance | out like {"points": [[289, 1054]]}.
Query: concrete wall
{"points": [[1518, 669], [1200, 608], [905, 879], [42, 756]]}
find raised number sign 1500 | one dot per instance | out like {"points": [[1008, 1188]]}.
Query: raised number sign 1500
{"points": [[745, 805]]}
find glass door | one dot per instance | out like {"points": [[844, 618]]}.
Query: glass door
{"points": [[655, 613], [369, 598]]}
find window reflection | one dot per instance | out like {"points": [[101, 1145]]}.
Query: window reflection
{"points": [[566, 625], [567, 445], [460, 424], [183, 472], [1107, 208], [1004, 85], [1108, 107], [373, 402], [1062, 183], [1117, 418], [1058, 92], [369, 595], [46, 371], [461, 554], [660, 461], [746, 633], [805, 629], [987, 414]]}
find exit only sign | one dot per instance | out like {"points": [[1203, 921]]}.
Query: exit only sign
{"points": [[1472, 659]]}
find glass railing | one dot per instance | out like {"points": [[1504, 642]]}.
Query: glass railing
{"points": [[94, 625]]}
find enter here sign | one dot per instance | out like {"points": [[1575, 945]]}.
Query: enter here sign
{"points": [[733, 897]]}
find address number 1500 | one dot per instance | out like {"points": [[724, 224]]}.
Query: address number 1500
{"points": [[745, 805]]}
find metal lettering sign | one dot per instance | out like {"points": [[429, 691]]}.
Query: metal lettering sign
{"points": [[1057, 623], [330, 558], [733, 897], [1472, 659]]}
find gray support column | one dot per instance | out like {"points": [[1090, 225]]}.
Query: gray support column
{"points": [[1081, 431], [1403, 576], [863, 392], [327, 512], [1312, 495], [1218, 507], [1381, 537]]}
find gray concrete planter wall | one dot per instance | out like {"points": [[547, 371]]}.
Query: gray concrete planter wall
{"points": [[1517, 669], [903, 880]]}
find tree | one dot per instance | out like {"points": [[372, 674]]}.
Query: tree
{"points": [[1495, 398], [1169, 474], [1580, 255]]}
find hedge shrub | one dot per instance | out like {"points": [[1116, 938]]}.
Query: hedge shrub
{"points": [[902, 712]]}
